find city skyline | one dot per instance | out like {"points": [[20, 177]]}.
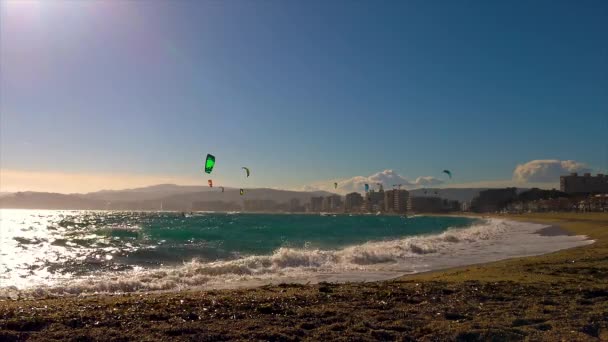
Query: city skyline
{"points": [[110, 95]]}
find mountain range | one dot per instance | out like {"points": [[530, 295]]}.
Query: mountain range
{"points": [[178, 197], [156, 197]]}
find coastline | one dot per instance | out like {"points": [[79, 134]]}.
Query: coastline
{"points": [[547, 297], [480, 241], [554, 231]]}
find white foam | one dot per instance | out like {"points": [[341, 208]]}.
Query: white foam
{"points": [[489, 240]]}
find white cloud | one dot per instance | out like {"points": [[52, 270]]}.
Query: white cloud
{"points": [[428, 181], [388, 178], [536, 173], [546, 170]]}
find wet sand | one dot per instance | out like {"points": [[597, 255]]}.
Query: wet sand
{"points": [[554, 231], [558, 296]]}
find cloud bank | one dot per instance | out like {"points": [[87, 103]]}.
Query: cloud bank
{"points": [[539, 171], [388, 178], [535, 173], [428, 181]]}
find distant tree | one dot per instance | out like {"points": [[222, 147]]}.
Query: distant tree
{"points": [[536, 194]]}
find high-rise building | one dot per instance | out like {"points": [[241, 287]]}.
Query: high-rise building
{"points": [[325, 205], [396, 201], [585, 184], [316, 204], [423, 204], [374, 200], [389, 201], [331, 203], [353, 202], [259, 205], [493, 199], [294, 205], [334, 202]]}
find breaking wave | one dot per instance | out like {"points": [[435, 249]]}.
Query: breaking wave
{"points": [[286, 263]]}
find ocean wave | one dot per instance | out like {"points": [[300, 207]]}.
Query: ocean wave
{"points": [[283, 263]]}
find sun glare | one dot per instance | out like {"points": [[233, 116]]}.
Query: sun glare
{"points": [[24, 5], [24, 11]]}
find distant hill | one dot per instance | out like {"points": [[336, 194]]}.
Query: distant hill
{"points": [[179, 197], [46, 200], [147, 193], [165, 196]]}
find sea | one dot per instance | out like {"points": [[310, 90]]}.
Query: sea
{"points": [[57, 252]]}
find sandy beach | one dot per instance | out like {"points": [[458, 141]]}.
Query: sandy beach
{"points": [[557, 296]]}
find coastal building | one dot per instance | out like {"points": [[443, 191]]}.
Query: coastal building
{"points": [[259, 205], [423, 204], [554, 204], [215, 206], [396, 201], [389, 201], [335, 202], [585, 184], [374, 200], [294, 205], [465, 206], [331, 203], [493, 200], [353, 202], [316, 204], [599, 202], [325, 206]]}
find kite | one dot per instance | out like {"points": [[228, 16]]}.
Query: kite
{"points": [[242, 192], [448, 173], [210, 182], [209, 163], [246, 170]]}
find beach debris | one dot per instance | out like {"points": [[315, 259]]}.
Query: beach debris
{"points": [[209, 163], [325, 287]]}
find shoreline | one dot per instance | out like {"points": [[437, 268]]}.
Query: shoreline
{"points": [[554, 231], [485, 240], [546, 297]]}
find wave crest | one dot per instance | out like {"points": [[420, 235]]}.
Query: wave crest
{"points": [[284, 262]]}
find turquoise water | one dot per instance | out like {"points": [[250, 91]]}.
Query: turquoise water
{"points": [[45, 252], [39, 246], [219, 236]]}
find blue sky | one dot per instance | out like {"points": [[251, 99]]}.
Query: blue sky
{"points": [[301, 91]]}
